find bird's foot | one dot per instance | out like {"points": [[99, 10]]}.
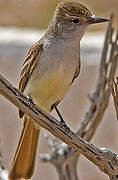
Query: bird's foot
{"points": [[63, 123], [30, 99]]}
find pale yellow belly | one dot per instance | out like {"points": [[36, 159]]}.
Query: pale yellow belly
{"points": [[50, 87]]}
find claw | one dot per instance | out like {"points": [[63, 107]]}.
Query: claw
{"points": [[63, 124], [30, 99]]}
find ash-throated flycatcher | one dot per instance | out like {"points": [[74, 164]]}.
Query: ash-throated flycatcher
{"points": [[50, 68]]}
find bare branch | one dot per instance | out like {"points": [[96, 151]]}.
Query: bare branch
{"points": [[114, 87], [48, 122], [100, 98]]}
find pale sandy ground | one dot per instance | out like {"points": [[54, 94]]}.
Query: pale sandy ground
{"points": [[73, 108]]}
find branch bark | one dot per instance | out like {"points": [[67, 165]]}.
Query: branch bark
{"points": [[114, 87]]}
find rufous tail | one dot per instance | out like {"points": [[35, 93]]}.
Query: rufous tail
{"points": [[23, 163]]}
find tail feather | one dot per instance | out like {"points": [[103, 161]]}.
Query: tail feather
{"points": [[24, 160]]}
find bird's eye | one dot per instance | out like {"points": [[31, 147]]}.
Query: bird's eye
{"points": [[75, 21]]}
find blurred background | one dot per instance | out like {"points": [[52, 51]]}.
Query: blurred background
{"points": [[23, 22], [38, 13]]}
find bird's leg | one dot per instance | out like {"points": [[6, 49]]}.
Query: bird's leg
{"points": [[59, 114], [63, 123]]}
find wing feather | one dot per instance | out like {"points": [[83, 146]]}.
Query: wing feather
{"points": [[28, 66]]}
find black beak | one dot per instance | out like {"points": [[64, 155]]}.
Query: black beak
{"points": [[95, 19]]}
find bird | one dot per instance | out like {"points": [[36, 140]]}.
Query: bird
{"points": [[50, 68]]}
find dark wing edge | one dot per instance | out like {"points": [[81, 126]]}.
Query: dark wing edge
{"points": [[76, 72]]}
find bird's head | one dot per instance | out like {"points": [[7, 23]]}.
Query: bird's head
{"points": [[72, 17]]}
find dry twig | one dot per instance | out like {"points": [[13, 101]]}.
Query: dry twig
{"points": [[114, 87]]}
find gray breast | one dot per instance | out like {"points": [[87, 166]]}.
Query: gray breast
{"points": [[58, 54]]}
